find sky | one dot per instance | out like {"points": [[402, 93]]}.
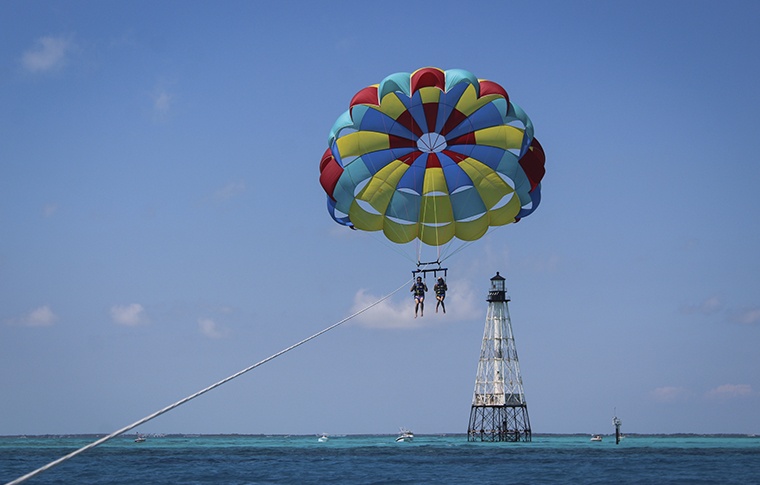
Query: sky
{"points": [[162, 225]]}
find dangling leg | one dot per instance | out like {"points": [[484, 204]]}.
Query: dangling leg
{"points": [[443, 305]]}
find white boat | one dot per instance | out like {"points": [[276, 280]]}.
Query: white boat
{"points": [[596, 437], [323, 438], [405, 435], [139, 438]]}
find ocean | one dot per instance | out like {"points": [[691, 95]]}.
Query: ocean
{"points": [[378, 459]]}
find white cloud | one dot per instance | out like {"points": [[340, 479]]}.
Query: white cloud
{"points": [[461, 305], [714, 305], [670, 393], [748, 317], [129, 315], [163, 100], [386, 314], [728, 391], [162, 103], [465, 303], [211, 329], [709, 306], [230, 190], [39, 317], [49, 210], [42, 316], [48, 53]]}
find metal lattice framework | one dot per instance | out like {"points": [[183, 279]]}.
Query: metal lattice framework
{"points": [[499, 423], [499, 411]]}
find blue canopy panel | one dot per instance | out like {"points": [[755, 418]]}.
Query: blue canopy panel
{"points": [[467, 204], [456, 178], [517, 114], [404, 206], [487, 155], [375, 161], [511, 168], [535, 196], [417, 110], [343, 121], [353, 174], [488, 115], [447, 105], [339, 219], [375, 120], [485, 117], [414, 178]]}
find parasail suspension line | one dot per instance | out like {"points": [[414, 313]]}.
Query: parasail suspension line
{"points": [[466, 244], [203, 391], [392, 246]]}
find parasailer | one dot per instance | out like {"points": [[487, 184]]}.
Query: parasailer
{"points": [[431, 156], [418, 289], [440, 289]]}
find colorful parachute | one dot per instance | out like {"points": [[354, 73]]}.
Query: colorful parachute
{"points": [[432, 155]]}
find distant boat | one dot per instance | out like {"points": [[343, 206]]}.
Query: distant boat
{"points": [[596, 437], [139, 438], [405, 435], [323, 438]]}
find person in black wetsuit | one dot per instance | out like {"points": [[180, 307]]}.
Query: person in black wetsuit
{"points": [[440, 294], [418, 289]]}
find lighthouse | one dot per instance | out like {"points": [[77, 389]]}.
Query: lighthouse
{"points": [[499, 411]]}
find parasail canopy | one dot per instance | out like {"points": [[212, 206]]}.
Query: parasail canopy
{"points": [[432, 155]]}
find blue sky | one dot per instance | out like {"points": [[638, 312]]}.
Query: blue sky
{"points": [[162, 225]]}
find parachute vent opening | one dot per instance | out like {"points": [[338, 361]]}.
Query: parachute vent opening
{"points": [[402, 222], [366, 206], [347, 160], [431, 143], [507, 180], [360, 186], [503, 201], [472, 218], [408, 190], [340, 215], [435, 225], [462, 189], [346, 130]]}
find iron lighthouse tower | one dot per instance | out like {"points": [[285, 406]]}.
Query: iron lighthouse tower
{"points": [[499, 411]]}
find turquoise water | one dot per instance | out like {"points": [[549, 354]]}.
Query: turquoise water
{"points": [[378, 459]]}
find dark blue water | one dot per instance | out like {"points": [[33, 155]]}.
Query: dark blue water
{"points": [[380, 460]]}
